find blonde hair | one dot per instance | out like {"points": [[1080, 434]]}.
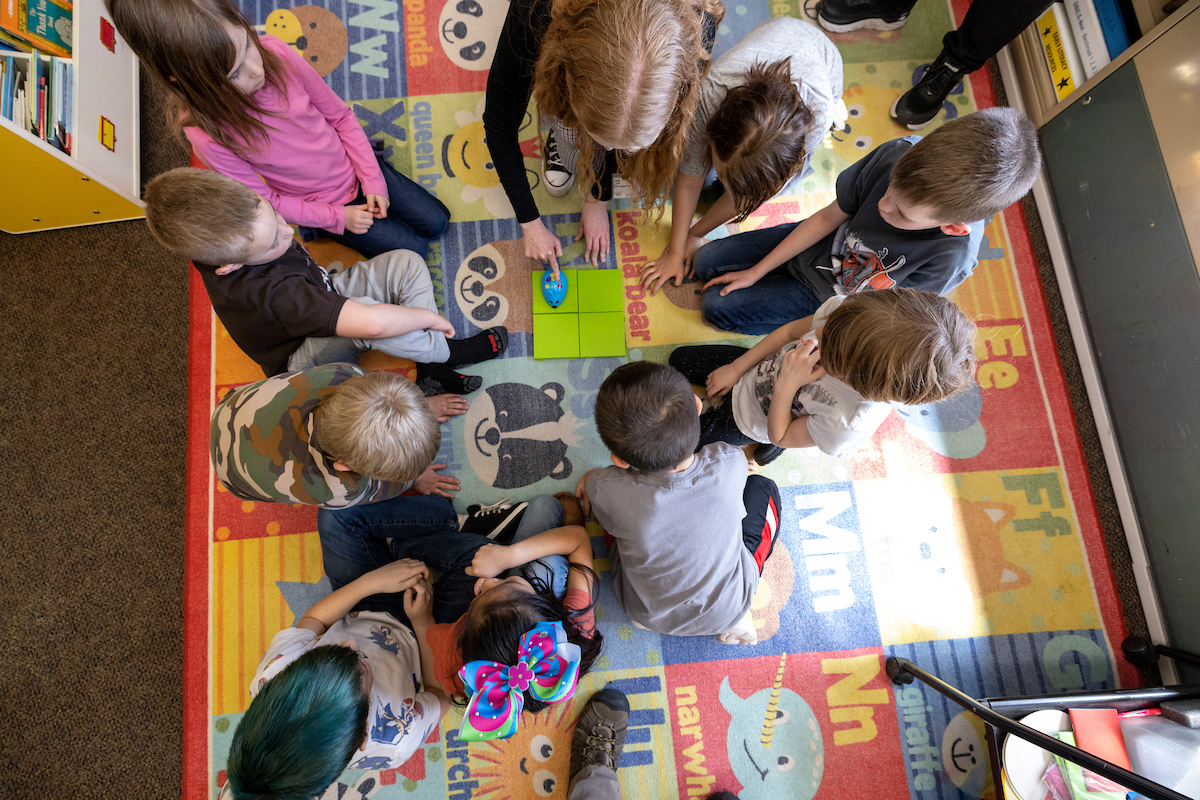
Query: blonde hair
{"points": [[900, 346], [971, 168], [380, 426], [629, 72], [185, 45], [202, 215]]}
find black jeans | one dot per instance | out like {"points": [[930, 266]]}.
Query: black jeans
{"points": [[718, 425]]}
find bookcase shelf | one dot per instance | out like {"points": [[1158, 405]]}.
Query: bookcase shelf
{"points": [[100, 180]]}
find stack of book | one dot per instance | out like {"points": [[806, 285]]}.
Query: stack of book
{"points": [[1069, 43], [36, 96], [44, 24]]}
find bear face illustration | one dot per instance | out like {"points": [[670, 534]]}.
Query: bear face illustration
{"points": [[516, 434], [492, 286], [469, 30], [314, 32]]}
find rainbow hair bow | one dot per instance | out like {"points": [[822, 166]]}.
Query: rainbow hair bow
{"points": [[547, 666]]}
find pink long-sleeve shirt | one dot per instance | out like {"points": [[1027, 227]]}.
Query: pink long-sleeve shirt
{"points": [[317, 154]]}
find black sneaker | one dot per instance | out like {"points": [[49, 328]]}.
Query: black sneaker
{"points": [[555, 173], [497, 522], [600, 733], [920, 105], [843, 16]]}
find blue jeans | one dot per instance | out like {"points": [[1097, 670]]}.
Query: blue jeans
{"points": [[777, 299], [355, 541], [414, 218]]}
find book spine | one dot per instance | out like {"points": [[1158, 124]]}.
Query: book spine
{"points": [[1112, 24], [1058, 47], [1089, 38]]}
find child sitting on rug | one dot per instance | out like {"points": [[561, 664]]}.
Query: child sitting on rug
{"points": [[284, 310], [339, 689], [690, 531], [911, 214], [765, 105], [332, 436], [489, 594], [826, 380]]}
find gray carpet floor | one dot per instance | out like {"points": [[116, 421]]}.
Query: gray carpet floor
{"points": [[93, 403]]}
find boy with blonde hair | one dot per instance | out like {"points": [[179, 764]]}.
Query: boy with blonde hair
{"points": [[909, 214], [827, 380], [691, 532], [331, 436], [283, 310]]}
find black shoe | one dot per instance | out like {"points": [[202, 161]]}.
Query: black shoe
{"points": [[497, 522], [600, 733], [920, 105], [555, 173], [843, 16]]}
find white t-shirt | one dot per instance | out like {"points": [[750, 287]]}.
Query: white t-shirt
{"points": [[401, 716], [840, 419]]}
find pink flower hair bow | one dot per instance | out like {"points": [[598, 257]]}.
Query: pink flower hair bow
{"points": [[547, 667]]}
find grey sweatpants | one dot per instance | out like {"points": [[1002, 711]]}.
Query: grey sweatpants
{"points": [[595, 783]]}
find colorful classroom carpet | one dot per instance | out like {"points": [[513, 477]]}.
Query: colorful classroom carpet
{"points": [[963, 536]]}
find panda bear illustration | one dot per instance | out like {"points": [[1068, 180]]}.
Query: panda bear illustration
{"points": [[517, 434]]}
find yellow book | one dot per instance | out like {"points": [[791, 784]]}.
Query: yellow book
{"points": [[1058, 51]]}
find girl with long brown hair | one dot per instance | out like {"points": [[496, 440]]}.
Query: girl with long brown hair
{"points": [[618, 82], [254, 110]]}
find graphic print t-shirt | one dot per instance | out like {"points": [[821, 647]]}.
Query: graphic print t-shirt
{"points": [[402, 715]]}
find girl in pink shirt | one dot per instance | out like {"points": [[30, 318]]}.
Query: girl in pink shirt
{"points": [[254, 110]]}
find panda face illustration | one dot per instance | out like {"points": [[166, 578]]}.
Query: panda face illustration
{"points": [[469, 30], [517, 434]]}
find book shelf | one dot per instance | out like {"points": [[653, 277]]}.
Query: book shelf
{"points": [[100, 180]]}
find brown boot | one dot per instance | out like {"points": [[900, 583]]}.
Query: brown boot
{"points": [[600, 732], [572, 508]]}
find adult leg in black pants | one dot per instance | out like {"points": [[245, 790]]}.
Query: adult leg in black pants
{"points": [[987, 27], [718, 424]]}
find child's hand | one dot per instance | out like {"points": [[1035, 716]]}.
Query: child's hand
{"points": [[593, 226], [439, 323], [489, 561], [800, 364], [433, 482], [732, 281], [418, 604], [581, 493], [359, 219], [540, 244], [722, 380], [377, 204], [399, 576]]}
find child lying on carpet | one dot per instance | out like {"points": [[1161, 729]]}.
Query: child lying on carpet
{"points": [[331, 436], [488, 595], [284, 310], [339, 689], [690, 531], [252, 108], [765, 105], [911, 213], [826, 380]]}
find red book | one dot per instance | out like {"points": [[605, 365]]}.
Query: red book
{"points": [[1098, 731]]}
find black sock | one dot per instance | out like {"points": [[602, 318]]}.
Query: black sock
{"points": [[435, 379], [480, 347]]}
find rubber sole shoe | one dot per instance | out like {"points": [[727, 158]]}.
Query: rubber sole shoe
{"points": [[497, 522], [555, 174], [843, 16], [921, 104], [599, 733]]}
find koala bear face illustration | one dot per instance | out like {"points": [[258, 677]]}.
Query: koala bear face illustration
{"points": [[515, 434], [492, 286], [469, 30]]}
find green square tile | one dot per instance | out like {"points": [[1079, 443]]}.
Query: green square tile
{"points": [[569, 302], [600, 290], [556, 336], [601, 335]]}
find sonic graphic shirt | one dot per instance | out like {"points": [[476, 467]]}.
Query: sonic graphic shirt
{"points": [[402, 715], [868, 253]]}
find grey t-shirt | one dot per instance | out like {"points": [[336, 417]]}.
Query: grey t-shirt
{"points": [[816, 69], [678, 562]]}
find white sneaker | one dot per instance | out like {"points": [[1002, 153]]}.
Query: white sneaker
{"points": [[557, 177], [742, 633]]}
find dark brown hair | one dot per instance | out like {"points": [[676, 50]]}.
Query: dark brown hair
{"points": [[186, 40], [646, 415], [971, 168], [900, 346], [758, 132], [201, 214]]}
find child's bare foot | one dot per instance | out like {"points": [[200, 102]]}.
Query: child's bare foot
{"points": [[572, 508], [445, 406]]}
